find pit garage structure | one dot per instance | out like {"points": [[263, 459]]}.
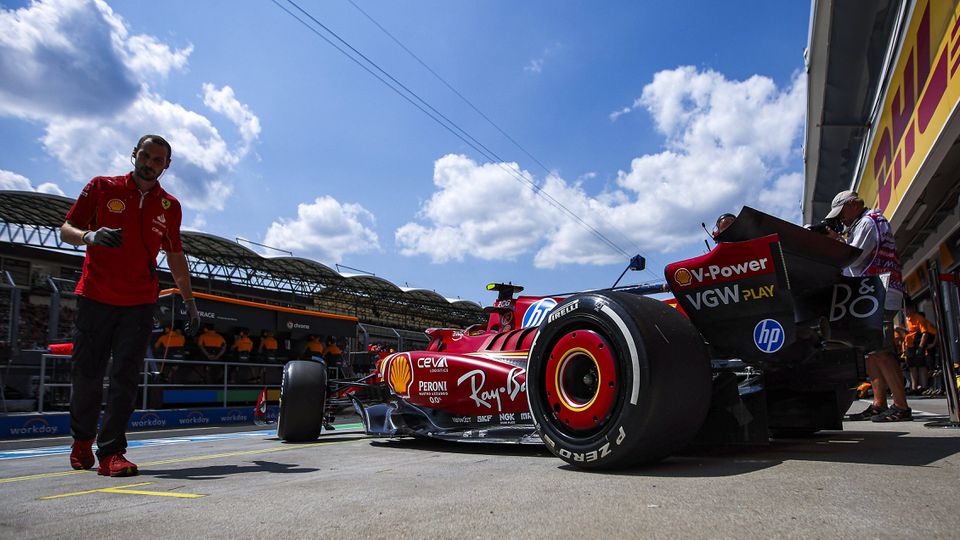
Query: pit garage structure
{"points": [[883, 119], [35, 263]]}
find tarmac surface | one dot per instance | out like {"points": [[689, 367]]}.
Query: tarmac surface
{"points": [[895, 480]]}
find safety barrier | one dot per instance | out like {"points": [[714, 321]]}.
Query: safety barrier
{"points": [[227, 388]]}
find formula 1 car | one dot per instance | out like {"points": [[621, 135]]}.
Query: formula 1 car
{"points": [[763, 337]]}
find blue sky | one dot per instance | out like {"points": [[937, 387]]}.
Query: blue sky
{"points": [[649, 117]]}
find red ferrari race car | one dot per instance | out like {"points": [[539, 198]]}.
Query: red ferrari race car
{"points": [[764, 336]]}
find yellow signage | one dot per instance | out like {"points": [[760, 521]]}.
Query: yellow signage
{"points": [[923, 91]]}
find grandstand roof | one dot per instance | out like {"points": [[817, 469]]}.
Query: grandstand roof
{"points": [[215, 257], [32, 208], [208, 246], [372, 282], [425, 294]]}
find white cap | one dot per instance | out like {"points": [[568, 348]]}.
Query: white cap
{"points": [[841, 199]]}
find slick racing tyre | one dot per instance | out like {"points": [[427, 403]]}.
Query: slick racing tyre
{"points": [[616, 380], [303, 395]]}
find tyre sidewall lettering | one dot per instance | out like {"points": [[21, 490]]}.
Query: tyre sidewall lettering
{"points": [[605, 445]]}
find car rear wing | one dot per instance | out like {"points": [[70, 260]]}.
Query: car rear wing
{"points": [[777, 297]]}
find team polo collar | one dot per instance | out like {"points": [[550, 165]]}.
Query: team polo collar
{"points": [[132, 185]]}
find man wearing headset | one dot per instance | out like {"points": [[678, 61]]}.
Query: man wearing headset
{"points": [[124, 221]]}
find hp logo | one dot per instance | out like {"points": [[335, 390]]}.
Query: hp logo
{"points": [[537, 312], [768, 335]]}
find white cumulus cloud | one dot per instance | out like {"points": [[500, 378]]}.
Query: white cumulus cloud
{"points": [[325, 230], [74, 66], [480, 210], [726, 144], [16, 182]]}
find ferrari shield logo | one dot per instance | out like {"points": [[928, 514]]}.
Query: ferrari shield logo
{"points": [[165, 203]]}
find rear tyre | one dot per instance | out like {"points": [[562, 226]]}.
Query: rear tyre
{"points": [[303, 395], [615, 380]]}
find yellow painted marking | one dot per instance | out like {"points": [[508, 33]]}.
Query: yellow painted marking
{"points": [[40, 476], [48, 497], [126, 491], [183, 460]]}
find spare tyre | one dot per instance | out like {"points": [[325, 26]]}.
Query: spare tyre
{"points": [[303, 394], [616, 379]]}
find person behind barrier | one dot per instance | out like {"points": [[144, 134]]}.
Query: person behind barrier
{"points": [[242, 346], [334, 356], [313, 348], [919, 347], [169, 344], [211, 343], [267, 351], [124, 222], [333, 353], [869, 230]]}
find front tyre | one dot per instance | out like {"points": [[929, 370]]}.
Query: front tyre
{"points": [[615, 380], [303, 394]]}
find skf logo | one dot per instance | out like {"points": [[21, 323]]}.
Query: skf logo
{"points": [[116, 206], [401, 375], [165, 203], [682, 277]]}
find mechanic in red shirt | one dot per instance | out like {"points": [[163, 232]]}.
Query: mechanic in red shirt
{"points": [[124, 221]]}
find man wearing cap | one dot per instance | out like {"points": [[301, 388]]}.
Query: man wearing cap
{"points": [[868, 230]]}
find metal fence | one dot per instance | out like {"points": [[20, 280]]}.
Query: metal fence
{"points": [[151, 381]]}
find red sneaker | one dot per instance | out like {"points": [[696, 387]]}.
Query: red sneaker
{"points": [[116, 465], [81, 454]]}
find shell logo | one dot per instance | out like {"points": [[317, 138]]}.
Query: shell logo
{"points": [[116, 206], [682, 277], [401, 375]]}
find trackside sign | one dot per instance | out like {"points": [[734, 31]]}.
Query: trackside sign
{"points": [[923, 92]]}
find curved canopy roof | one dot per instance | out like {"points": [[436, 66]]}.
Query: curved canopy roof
{"points": [[424, 294], [32, 208], [206, 246], [227, 259], [370, 281]]}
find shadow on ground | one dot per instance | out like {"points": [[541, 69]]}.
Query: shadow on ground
{"points": [[855, 447], [217, 472], [472, 448]]}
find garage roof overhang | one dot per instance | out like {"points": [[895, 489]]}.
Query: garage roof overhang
{"points": [[851, 43]]}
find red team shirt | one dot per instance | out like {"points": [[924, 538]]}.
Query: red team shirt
{"points": [[121, 276]]}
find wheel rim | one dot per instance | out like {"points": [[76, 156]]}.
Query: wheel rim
{"points": [[581, 380]]}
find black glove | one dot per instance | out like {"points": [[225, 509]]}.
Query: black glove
{"points": [[192, 328], [104, 237]]}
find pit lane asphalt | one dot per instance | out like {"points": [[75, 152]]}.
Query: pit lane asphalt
{"points": [[871, 480]]}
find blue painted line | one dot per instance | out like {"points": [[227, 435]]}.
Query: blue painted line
{"points": [[60, 450], [57, 450]]}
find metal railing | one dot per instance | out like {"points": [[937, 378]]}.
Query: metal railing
{"points": [[147, 384]]}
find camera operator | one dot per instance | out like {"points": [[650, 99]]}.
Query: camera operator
{"points": [[869, 230]]}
